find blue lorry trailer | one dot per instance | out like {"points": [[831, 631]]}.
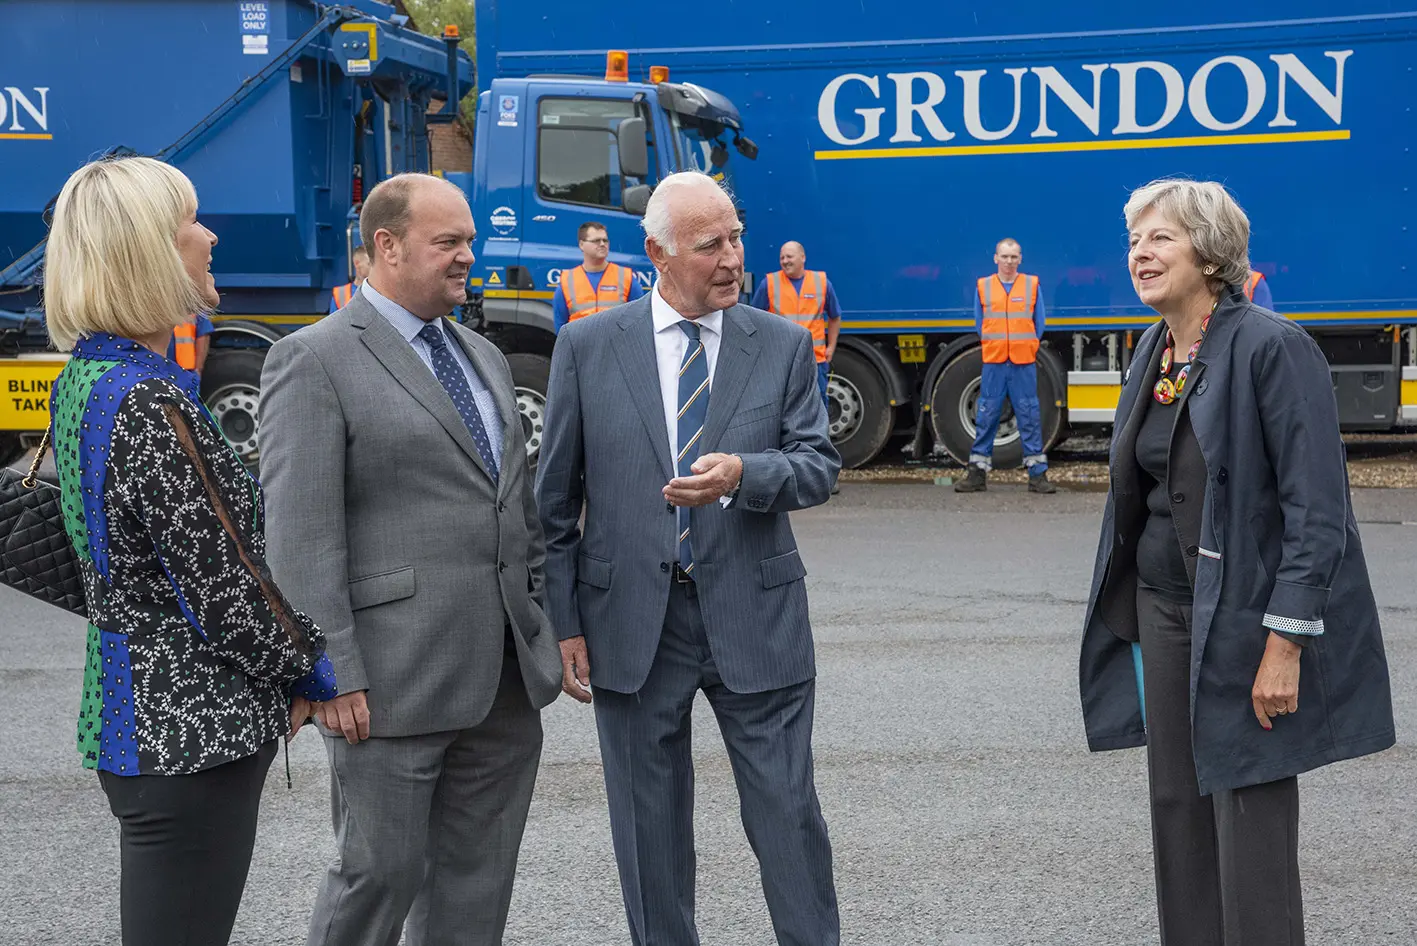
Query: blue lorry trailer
{"points": [[898, 142]]}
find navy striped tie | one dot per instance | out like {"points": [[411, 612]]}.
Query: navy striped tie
{"points": [[693, 409]]}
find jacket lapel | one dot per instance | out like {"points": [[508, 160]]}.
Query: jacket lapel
{"points": [[737, 356], [1212, 367], [634, 350], [398, 357], [513, 438]]}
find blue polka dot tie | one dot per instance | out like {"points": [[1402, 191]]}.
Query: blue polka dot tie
{"points": [[450, 376], [693, 410]]}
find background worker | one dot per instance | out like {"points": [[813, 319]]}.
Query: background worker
{"points": [[807, 298], [1257, 291], [342, 294], [190, 342], [1008, 314], [595, 285]]}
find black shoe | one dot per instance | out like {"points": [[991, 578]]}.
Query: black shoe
{"points": [[1039, 483], [836, 488], [975, 481]]}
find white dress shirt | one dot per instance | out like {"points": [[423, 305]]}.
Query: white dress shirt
{"points": [[670, 343]]}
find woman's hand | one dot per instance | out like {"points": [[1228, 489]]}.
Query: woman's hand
{"points": [[1276, 689], [301, 710]]}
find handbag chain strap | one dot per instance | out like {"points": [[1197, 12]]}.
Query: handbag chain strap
{"points": [[31, 479]]}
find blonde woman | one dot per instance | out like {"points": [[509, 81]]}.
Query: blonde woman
{"points": [[196, 664], [1231, 626]]}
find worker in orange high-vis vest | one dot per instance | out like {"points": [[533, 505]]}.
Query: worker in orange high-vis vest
{"points": [[806, 297], [1257, 291], [341, 295], [595, 285], [190, 342], [1008, 314]]}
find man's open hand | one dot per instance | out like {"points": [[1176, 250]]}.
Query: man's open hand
{"points": [[347, 714], [715, 475]]}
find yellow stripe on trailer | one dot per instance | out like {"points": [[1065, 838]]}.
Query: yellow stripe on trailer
{"points": [[25, 383], [1408, 411], [1093, 396]]}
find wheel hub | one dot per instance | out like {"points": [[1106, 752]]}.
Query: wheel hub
{"points": [[845, 408], [234, 408], [531, 405]]}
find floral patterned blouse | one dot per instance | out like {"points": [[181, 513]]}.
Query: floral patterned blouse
{"points": [[192, 651]]}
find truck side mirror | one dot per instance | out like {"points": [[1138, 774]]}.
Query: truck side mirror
{"points": [[630, 142], [635, 199]]}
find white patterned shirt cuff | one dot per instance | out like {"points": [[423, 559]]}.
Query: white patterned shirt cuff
{"points": [[1293, 625]]}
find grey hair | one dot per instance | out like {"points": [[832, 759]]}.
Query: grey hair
{"points": [[656, 222], [1218, 229]]}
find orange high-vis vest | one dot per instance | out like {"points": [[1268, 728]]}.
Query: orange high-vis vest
{"points": [[804, 308], [184, 339], [583, 299], [1251, 283], [1008, 332], [343, 294]]}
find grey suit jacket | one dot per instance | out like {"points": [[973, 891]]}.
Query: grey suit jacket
{"points": [[606, 446], [384, 526]]}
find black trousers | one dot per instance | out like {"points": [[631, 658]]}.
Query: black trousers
{"points": [[186, 847], [1227, 865]]}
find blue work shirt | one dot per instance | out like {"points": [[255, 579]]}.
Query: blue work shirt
{"points": [[831, 309], [1039, 319], [409, 325], [562, 311]]}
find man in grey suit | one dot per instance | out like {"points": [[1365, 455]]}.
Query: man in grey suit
{"points": [[689, 427], [399, 515]]}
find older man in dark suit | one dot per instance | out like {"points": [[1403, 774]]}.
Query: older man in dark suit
{"points": [[690, 426]]}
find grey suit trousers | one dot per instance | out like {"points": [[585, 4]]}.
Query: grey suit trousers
{"points": [[649, 779], [1227, 865], [428, 828]]}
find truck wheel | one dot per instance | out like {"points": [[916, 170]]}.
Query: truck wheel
{"points": [[954, 403], [10, 449], [530, 376], [859, 414], [231, 389]]}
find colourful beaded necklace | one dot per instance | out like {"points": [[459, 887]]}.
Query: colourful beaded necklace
{"points": [[1166, 390]]}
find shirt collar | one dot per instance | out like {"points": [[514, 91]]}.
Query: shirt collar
{"points": [[665, 317], [103, 346], [405, 322]]}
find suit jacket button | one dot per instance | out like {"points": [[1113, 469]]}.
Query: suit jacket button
{"points": [[669, 506], [1222, 476], [501, 506], [664, 566], [501, 566], [1192, 550], [1178, 497]]}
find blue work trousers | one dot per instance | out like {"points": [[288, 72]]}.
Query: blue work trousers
{"points": [[824, 370], [1018, 383]]}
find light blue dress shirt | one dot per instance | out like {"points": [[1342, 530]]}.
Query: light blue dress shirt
{"points": [[409, 325]]}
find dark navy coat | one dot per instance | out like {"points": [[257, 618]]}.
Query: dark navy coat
{"points": [[1275, 546]]}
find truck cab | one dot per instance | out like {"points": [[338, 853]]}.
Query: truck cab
{"points": [[555, 151]]}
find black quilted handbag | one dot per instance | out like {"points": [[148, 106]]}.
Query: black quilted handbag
{"points": [[36, 556]]}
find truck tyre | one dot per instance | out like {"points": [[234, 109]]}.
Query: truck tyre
{"points": [[231, 389], [530, 376], [954, 405], [10, 449], [859, 414]]}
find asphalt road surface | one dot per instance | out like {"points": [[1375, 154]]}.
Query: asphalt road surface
{"points": [[963, 806]]}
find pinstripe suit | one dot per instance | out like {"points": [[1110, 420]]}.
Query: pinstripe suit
{"points": [[740, 632]]}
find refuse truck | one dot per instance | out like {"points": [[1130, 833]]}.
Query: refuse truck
{"points": [[899, 142]]}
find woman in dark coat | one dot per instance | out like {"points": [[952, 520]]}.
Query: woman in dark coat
{"points": [[1231, 626]]}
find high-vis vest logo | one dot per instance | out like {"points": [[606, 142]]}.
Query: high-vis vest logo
{"points": [[804, 308], [1008, 333], [343, 294], [583, 299], [1251, 283]]}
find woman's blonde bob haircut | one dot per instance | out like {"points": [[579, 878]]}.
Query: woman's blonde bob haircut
{"points": [[112, 263], [1218, 229]]}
